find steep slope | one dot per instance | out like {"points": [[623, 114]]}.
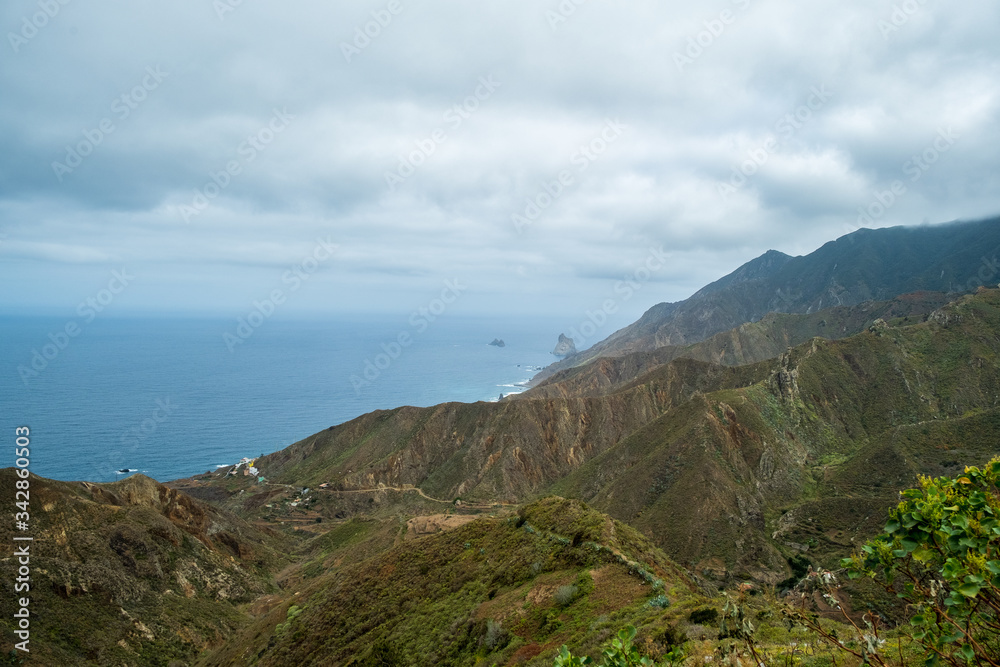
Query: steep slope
{"points": [[748, 343], [495, 591], [738, 481], [505, 451], [869, 264], [729, 469], [133, 572]]}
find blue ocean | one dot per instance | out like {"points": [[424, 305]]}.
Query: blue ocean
{"points": [[168, 398]]}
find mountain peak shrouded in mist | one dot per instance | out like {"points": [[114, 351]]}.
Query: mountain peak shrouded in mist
{"points": [[761, 267], [864, 265]]}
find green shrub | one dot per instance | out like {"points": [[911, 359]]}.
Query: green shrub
{"points": [[565, 595], [660, 601], [943, 543], [495, 637], [290, 615]]}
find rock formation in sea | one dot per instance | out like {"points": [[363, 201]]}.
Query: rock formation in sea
{"points": [[565, 347]]}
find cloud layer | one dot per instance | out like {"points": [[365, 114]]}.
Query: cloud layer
{"points": [[534, 150]]}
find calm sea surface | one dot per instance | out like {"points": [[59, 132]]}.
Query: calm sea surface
{"points": [[169, 399]]}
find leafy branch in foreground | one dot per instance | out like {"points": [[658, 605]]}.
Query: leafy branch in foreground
{"points": [[940, 552], [621, 653]]}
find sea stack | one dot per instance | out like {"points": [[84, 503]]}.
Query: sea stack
{"points": [[565, 347]]}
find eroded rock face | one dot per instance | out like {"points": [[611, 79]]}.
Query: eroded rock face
{"points": [[565, 347], [785, 379]]}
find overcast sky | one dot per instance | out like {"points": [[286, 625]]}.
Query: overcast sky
{"points": [[117, 116]]}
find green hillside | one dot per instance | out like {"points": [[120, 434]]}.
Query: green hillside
{"points": [[133, 573], [804, 462]]}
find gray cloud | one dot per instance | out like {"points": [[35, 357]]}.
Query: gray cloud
{"points": [[892, 88]]}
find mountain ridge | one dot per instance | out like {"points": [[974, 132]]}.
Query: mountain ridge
{"points": [[868, 264], [624, 488], [754, 426], [751, 342]]}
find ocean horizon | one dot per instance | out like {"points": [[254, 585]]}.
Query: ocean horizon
{"points": [[174, 397]]}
